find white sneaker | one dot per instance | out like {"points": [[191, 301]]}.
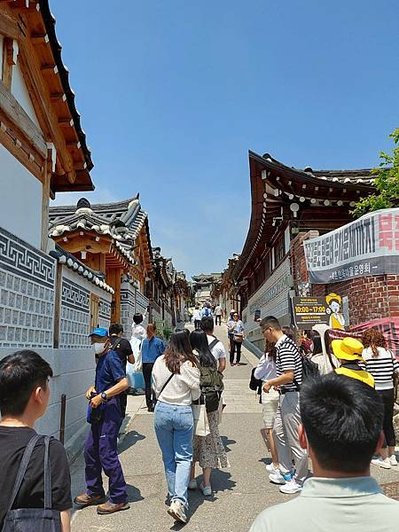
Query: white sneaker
{"points": [[271, 468], [177, 511], [276, 478], [386, 464], [377, 461], [393, 460], [192, 485], [206, 490], [291, 487]]}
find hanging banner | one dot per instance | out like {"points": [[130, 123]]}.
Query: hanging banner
{"points": [[367, 246]]}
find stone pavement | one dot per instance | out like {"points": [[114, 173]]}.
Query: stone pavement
{"points": [[240, 492]]}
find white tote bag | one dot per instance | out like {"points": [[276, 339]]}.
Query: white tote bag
{"points": [[201, 425]]}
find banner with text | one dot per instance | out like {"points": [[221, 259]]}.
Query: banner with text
{"points": [[367, 246]]}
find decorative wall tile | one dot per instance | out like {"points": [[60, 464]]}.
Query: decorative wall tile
{"points": [[75, 315], [27, 279]]}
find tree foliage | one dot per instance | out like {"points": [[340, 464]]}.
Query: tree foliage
{"points": [[386, 182]]}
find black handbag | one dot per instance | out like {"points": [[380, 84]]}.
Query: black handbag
{"points": [[38, 519]]}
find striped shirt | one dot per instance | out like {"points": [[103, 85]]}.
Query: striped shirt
{"points": [[381, 368], [288, 358]]}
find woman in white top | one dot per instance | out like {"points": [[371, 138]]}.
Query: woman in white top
{"points": [[209, 450], [236, 330], [266, 370], [176, 382], [382, 365]]}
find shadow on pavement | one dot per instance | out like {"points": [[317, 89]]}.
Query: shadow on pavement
{"points": [[133, 494], [226, 442], [129, 440]]}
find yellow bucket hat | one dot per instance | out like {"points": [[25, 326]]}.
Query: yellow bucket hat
{"points": [[347, 349]]}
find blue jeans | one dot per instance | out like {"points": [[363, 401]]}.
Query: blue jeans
{"points": [[174, 430]]}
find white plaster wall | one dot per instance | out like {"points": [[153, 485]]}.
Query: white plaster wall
{"points": [[21, 200], [21, 94], [271, 299], [73, 373]]}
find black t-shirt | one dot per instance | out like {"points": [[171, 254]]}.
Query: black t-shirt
{"points": [[122, 347], [13, 441]]}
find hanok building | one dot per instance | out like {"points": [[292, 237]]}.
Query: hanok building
{"points": [[288, 206], [114, 240], [45, 299], [205, 285], [170, 293]]}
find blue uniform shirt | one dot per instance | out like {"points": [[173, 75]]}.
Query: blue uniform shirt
{"points": [[109, 371], [151, 349]]}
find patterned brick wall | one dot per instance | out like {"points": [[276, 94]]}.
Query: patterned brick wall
{"points": [[27, 278], [75, 315]]}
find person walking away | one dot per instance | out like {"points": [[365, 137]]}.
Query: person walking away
{"points": [[348, 351], [24, 396], [206, 312], [124, 349], [176, 381], [236, 329], [382, 365], [287, 420], [138, 334], [264, 371], [342, 421], [218, 315], [152, 348], [229, 328], [105, 418], [197, 317], [209, 450], [215, 345]]}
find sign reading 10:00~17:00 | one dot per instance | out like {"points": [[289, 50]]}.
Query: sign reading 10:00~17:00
{"points": [[309, 311]]}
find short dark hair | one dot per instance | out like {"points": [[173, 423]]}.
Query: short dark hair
{"points": [[342, 418], [20, 374], [270, 321], [115, 328], [138, 318], [207, 324]]}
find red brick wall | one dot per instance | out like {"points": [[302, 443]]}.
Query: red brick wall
{"points": [[370, 297]]}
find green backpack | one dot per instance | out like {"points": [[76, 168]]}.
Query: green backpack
{"points": [[211, 383]]}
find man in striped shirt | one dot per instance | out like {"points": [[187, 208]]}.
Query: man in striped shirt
{"points": [[288, 419]]}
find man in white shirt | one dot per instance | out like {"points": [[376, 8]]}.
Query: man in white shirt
{"points": [[342, 421], [215, 345]]}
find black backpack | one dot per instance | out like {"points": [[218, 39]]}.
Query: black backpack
{"points": [[254, 383], [27, 519], [310, 370]]}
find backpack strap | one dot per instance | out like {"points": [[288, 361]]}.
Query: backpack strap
{"points": [[22, 469], [165, 385], [48, 499], [213, 343]]}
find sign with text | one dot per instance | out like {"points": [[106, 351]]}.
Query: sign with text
{"points": [[368, 246], [309, 311]]}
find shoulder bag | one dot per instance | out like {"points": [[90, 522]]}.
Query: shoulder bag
{"points": [[27, 519]]}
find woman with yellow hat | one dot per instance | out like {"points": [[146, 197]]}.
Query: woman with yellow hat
{"points": [[349, 353]]}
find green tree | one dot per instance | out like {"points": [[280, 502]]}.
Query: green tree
{"points": [[386, 182]]}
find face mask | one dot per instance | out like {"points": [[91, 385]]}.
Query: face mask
{"points": [[99, 348]]}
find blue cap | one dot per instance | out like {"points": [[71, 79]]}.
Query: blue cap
{"points": [[99, 331]]}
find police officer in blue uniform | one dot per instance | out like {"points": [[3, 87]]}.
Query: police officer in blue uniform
{"points": [[105, 416]]}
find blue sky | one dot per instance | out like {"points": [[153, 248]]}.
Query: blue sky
{"points": [[173, 93]]}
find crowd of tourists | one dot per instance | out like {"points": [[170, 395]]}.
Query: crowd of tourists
{"points": [[337, 413]]}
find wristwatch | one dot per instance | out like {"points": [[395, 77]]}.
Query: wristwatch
{"points": [[104, 397]]}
